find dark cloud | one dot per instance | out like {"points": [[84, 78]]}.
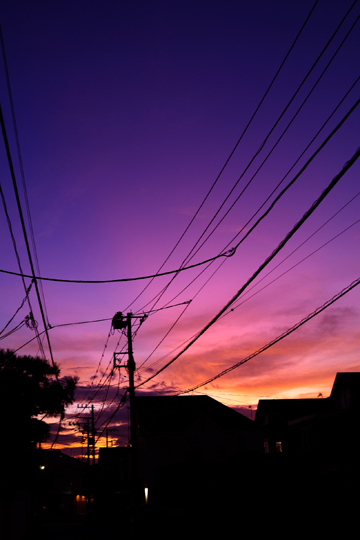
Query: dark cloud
{"points": [[335, 321]]}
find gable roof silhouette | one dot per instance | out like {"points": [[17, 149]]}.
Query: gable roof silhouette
{"points": [[345, 393], [177, 413], [348, 380], [289, 409]]}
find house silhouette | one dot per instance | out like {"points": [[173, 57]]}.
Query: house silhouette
{"points": [[322, 427], [189, 439], [311, 464]]}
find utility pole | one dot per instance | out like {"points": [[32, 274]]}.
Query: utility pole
{"points": [[120, 323], [107, 431], [90, 439], [133, 426]]}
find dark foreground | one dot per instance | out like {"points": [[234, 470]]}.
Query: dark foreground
{"points": [[290, 498], [302, 513]]}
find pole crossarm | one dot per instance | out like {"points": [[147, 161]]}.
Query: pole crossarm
{"points": [[118, 365]]}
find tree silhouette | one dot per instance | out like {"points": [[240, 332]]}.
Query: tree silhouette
{"points": [[30, 387]]}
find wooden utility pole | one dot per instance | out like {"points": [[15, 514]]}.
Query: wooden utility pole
{"points": [[133, 426], [120, 323]]}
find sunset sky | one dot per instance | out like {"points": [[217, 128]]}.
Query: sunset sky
{"points": [[127, 113]]}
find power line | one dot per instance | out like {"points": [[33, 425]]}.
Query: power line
{"points": [[165, 336], [24, 230], [281, 245], [189, 257], [275, 145], [12, 108], [271, 271], [298, 159], [273, 191], [279, 338], [101, 411], [51, 327], [337, 127], [233, 150], [250, 230], [12, 331], [295, 265], [118, 280], [60, 325], [121, 404], [268, 284], [274, 126], [34, 326], [17, 311], [160, 295], [108, 378], [296, 177], [98, 366]]}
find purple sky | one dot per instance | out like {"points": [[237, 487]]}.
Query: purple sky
{"points": [[126, 113]]}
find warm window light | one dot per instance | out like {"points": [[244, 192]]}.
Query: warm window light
{"points": [[146, 495], [80, 505]]}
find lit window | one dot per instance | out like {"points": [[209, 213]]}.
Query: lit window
{"points": [[278, 446]]}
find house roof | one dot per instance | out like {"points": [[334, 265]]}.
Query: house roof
{"points": [[288, 409], [346, 380], [345, 392], [176, 413]]}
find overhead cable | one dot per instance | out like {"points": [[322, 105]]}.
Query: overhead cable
{"points": [[277, 122], [17, 311], [59, 325], [356, 104], [317, 311], [191, 254], [12, 108], [296, 264], [250, 230], [276, 143], [267, 199], [229, 253], [37, 336], [139, 370], [233, 150], [280, 246], [7, 147]]}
